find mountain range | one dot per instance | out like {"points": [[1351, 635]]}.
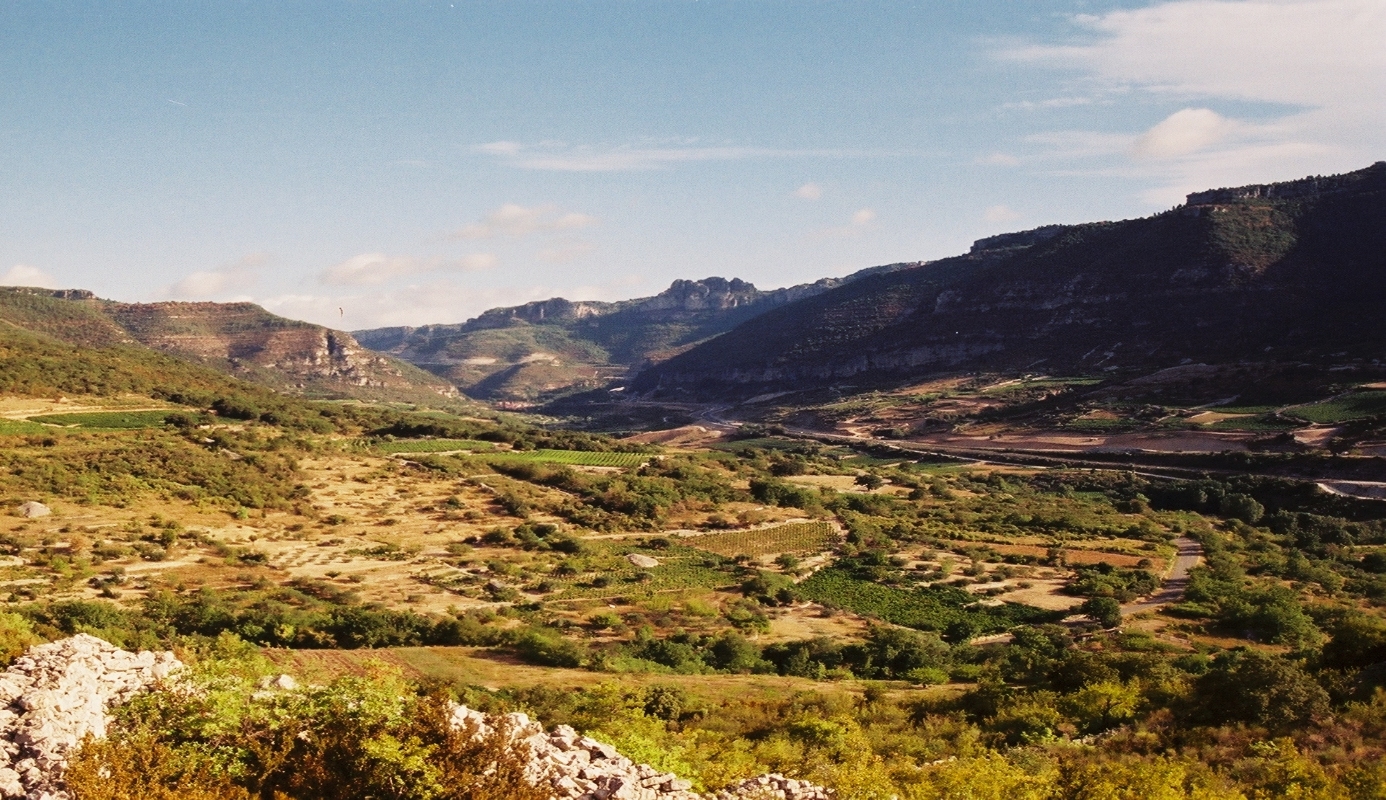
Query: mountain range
{"points": [[1286, 272], [523, 352]]}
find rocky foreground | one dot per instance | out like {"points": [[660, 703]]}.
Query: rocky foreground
{"points": [[58, 693]]}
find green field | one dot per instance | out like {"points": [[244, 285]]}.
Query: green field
{"points": [[800, 538], [931, 609], [19, 427], [581, 458], [107, 420], [1342, 409], [432, 446], [1263, 423]]}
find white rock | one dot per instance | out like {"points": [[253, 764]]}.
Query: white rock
{"points": [[33, 509], [642, 561]]}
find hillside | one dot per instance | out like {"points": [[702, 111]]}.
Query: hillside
{"points": [[1282, 272], [239, 339], [519, 353]]}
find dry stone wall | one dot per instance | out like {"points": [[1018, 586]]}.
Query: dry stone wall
{"points": [[56, 694]]}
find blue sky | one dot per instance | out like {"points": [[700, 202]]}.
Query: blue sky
{"points": [[365, 164]]}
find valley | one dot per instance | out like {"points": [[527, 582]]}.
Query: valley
{"points": [[889, 575]]}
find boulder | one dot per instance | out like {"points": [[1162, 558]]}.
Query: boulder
{"points": [[33, 509], [642, 561]]}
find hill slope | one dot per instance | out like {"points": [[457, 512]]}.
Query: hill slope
{"points": [[239, 339], [1287, 271], [519, 353]]}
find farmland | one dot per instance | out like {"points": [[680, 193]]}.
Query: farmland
{"points": [[941, 609], [107, 420], [581, 458], [798, 538]]}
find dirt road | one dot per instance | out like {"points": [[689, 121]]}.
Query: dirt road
{"points": [[1190, 555]]}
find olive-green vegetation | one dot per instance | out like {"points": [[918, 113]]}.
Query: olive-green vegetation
{"points": [[106, 419], [373, 737], [798, 538], [1265, 679], [1356, 405], [577, 457], [430, 445]]}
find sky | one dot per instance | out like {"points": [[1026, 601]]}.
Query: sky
{"points": [[366, 164]]}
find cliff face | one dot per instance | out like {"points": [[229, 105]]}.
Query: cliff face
{"points": [[239, 338], [517, 354], [1285, 271]]}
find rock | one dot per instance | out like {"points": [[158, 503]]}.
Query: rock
{"points": [[576, 767], [282, 682], [642, 561], [56, 694], [33, 509]]}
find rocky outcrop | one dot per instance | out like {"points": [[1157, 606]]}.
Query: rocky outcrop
{"points": [[577, 767], [55, 695], [1313, 186]]}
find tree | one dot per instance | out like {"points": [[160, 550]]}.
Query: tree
{"points": [[869, 481], [1106, 610], [1260, 688]]}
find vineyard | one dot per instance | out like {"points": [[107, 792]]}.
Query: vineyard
{"points": [[937, 608], [431, 446], [1342, 409], [798, 538], [581, 458], [108, 420]]}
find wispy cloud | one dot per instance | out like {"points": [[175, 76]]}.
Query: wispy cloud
{"points": [[560, 157], [373, 269], [862, 221], [237, 276], [26, 275], [514, 221], [1314, 70], [999, 160], [809, 191], [565, 252], [1182, 133]]}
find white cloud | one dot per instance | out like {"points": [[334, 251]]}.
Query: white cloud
{"points": [[560, 157], [512, 220], [1001, 214], [999, 160], [26, 275], [373, 269], [1182, 133], [1313, 72], [1053, 102], [499, 148], [809, 191], [237, 276], [861, 222]]}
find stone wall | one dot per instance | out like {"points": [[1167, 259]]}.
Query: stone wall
{"points": [[56, 694]]}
